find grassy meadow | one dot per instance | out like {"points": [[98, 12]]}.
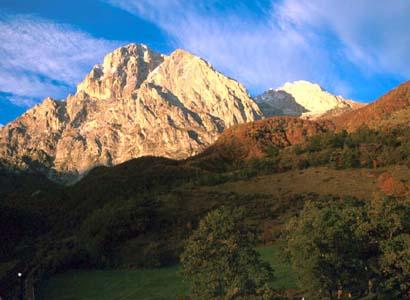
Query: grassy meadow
{"points": [[143, 284]]}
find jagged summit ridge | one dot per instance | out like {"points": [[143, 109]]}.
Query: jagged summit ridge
{"points": [[136, 103], [122, 71], [303, 98]]}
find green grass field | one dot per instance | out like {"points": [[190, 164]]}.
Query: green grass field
{"points": [[154, 284], [284, 278]]}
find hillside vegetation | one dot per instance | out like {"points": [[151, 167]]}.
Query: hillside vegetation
{"points": [[139, 214]]}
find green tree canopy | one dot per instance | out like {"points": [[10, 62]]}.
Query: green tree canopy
{"points": [[327, 248], [221, 262], [389, 229], [346, 246]]}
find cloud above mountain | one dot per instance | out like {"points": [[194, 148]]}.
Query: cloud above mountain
{"points": [[40, 57], [373, 33], [267, 42]]}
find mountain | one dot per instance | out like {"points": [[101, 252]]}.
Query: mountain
{"points": [[303, 98], [390, 110], [279, 103], [137, 103]]}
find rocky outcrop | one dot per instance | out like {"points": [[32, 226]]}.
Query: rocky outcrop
{"points": [[303, 98], [137, 103]]}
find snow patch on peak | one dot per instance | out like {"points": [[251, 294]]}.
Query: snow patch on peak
{"points": [[313, 97], [303, 98], [302, 84]]}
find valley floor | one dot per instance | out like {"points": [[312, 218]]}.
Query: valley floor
{"points": [[153, 284]]}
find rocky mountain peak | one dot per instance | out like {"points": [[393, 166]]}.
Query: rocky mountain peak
{"points": [[136, 103], [199, 87], [303, 98], [122, 71], [313, 97]]}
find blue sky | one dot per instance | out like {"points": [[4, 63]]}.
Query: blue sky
{"points": [[358, 49]]}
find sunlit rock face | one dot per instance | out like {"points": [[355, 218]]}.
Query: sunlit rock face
{"points": [[136, 103], [303, 98], [123, 71], [31, 140], [201, 89]]}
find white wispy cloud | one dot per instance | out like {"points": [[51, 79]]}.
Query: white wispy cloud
{"points": [[290, 40], [21, 101], [374, 33], [41, 58]]}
